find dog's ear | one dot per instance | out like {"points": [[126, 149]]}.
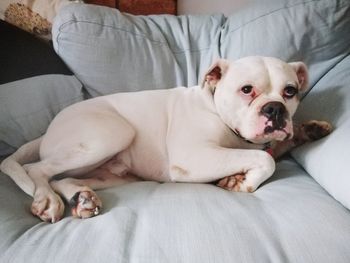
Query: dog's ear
{"points": [[302, 74], [214, 74]]}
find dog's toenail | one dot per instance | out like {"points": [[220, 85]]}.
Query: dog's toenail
{"points": [[96, 211]]}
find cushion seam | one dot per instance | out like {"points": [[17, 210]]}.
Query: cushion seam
{"points": [[160, 43], [113, 27]]}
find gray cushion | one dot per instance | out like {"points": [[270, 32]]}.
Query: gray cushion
{"points": [[316, 32], [112, 52], [328, 160], [289, 219]]}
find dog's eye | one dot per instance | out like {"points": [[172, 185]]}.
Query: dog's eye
{"points": [[290, 91], [247, 89]]}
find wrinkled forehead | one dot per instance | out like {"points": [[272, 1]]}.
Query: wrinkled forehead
{"points": [[257, 69]]}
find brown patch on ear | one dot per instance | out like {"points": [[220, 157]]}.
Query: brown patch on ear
{"points": [[214, 74]]}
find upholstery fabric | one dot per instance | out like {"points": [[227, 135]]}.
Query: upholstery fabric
{"points": [[327, 160], [108, 50], [289, 219]]}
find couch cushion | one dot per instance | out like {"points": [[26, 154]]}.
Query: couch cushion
{"points": [[316, 32], [289, 219], [111, 52], [328, 160], [34, 86]]}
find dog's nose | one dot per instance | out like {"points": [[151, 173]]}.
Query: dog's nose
{"points": [[274, 111]]}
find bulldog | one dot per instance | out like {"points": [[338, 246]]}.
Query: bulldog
{"points": [[226, 130]]}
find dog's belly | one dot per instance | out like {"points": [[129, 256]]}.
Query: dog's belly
{"points": [[148, 165]]}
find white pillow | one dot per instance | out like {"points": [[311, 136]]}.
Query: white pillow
{"points": [[328, 160]]}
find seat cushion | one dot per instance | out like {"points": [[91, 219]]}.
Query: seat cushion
{"points": [[290, 218]]}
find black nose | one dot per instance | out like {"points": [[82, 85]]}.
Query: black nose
{"points": [[274, 111]]}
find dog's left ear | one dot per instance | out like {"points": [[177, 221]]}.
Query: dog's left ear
{"points": [[302, 74], [214, 74]]}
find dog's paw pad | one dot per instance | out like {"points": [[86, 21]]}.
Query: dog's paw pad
{"points": [[232, 182], [85, 204], [315, 130]]}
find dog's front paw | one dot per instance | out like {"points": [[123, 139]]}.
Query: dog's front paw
{"points": [[48, 207], [234, 183], [314, 130], [85, 204]]}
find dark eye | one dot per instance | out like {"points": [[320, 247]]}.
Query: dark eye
{"points": [[247, 89], [290, 91]]}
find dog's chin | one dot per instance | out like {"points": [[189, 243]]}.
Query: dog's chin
{"points": [[276, 135], [268, 136], [264, 132]]}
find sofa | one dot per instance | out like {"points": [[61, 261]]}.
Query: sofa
{"points": [[300, 214]]}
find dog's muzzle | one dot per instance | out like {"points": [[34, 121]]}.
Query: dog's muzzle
{"points": [[276, 114]]}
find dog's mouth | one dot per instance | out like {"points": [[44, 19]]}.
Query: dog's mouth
{"points": [[280, 134], [275, 127], [268, 133], [272, 123], [276, 135]]}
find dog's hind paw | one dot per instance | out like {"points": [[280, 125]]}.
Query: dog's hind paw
{"points": [[85, 204]]}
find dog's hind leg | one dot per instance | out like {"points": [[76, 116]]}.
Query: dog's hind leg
{"points": [[47, 204], [72, 145]]}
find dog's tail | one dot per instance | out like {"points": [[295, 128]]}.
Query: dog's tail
{"points": [[12, 165]]}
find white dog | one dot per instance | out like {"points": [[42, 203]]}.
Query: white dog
{"points": [[214, 132]]}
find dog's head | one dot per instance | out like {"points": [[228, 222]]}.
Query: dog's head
{"points": [[257, 96]]}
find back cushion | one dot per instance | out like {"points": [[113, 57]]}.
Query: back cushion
{"points": [[327, 160], [112, 52], [316, 32]]}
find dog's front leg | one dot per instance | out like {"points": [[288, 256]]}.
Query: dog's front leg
{"points": [[242, 170]]}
